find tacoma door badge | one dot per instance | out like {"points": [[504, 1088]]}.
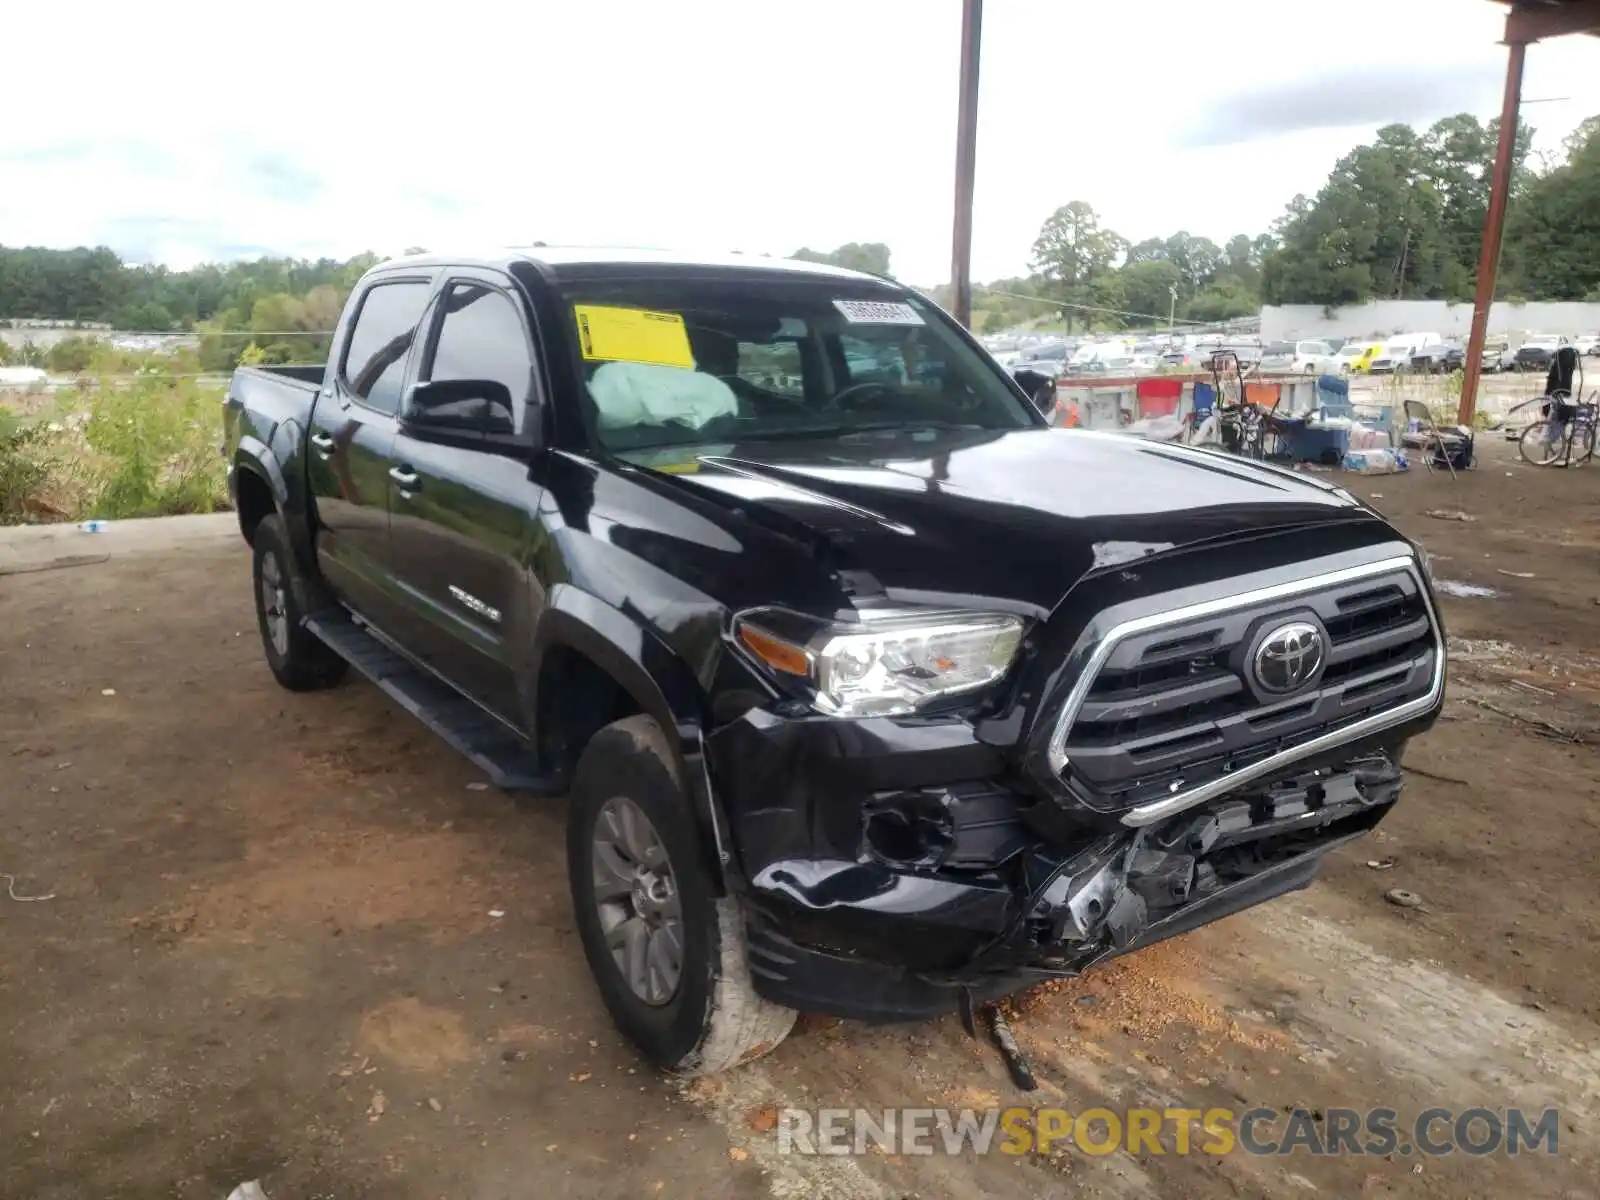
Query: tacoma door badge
{"points": [[468, 600]]}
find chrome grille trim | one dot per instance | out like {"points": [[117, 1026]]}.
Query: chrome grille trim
{"points": [[1146, 814]]}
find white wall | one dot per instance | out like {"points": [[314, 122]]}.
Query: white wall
{"points": [[1379, 318]]}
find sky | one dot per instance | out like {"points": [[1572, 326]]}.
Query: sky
{"points": [[180, 133]]}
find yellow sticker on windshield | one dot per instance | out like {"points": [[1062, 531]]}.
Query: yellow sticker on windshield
{"points": [[632, 335]]}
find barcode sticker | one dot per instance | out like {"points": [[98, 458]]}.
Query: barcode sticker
{"points": [[878, 312]]}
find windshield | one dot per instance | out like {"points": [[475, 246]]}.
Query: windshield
{"points": [[1279, 348], [679, 361], [1352, 351]]}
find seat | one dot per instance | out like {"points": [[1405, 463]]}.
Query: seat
{"points": [[1446, 445]]}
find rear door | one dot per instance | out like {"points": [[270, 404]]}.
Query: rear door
{"points": [[352, 433], [463, 519]]}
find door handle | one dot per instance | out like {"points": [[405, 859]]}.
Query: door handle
{"points": [[407, 480], [323, 443]]}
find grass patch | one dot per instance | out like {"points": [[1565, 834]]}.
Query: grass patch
{"points": [[113, 448]]}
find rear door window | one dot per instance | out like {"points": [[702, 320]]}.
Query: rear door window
{"points": [[385, 328]]}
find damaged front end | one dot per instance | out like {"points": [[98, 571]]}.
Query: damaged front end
{"points": [[960, 896], [1170, 775]]}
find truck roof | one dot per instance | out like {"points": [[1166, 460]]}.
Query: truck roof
{"points": [[562, 260]]}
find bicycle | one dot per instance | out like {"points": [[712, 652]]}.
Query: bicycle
{"points": [[1563, 427]]}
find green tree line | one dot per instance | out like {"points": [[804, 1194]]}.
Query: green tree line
{"points": [[1398, 218]]}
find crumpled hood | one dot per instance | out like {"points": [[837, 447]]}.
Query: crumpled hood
{"points": [[1018, 515]]}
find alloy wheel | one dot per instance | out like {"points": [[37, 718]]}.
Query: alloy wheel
{"points": [[636, 894]]}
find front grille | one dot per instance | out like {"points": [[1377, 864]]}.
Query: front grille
{"points": [[1174, 706]]}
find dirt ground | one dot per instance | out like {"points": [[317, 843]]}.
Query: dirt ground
{"points": [[292, 938]]}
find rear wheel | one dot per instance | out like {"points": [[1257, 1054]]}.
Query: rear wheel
{"points": [[1583, 446], [668, 956], [298, 660]]}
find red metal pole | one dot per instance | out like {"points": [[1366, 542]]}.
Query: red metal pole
{"points": [[966, 162], [1493, 226]]}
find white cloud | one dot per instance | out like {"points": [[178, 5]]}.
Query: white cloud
{"points": [[182, 131]]}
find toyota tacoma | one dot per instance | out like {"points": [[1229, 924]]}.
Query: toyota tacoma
{"points": [[871, 694]]}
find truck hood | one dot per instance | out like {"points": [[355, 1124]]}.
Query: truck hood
{"points": [[1018, 516]]}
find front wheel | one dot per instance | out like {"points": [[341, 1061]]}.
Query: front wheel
{"points": [[668, 956], [1541, 444]]}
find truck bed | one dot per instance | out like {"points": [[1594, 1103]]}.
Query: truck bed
{"points": [[262, 401]]}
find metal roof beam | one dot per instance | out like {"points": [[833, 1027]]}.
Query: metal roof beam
{"points": [[1532, 23]]}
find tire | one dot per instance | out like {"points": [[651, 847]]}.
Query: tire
{"points": [[1584, 451], [710, 1018], [1535, 449], [298, 660]]}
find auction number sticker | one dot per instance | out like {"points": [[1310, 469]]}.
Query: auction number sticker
{"points": [[607, 334], [878, 312]]}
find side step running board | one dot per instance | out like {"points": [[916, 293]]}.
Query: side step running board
{"points": [[504, 757]]}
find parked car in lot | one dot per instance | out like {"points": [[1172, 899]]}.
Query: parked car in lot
{"points": [[1439, 359], [1398, 351], [869, 696], [1305, 357], [1191, 358], [1247, 352], [1355, 357], [1536, 353], [1054, 353], [1497, 356], [1589, 345]]}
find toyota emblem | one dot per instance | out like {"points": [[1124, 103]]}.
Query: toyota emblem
{"points": [[1288, 658]]}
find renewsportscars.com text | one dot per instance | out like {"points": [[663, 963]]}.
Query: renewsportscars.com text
{"points": [[1214, 1131]]}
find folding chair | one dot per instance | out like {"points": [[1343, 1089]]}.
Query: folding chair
{"points": [[1446, 445]]}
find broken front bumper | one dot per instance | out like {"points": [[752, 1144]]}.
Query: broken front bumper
{"points": [[889, 868]]}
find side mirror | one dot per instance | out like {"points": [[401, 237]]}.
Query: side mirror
{"points": [[460, 406]]}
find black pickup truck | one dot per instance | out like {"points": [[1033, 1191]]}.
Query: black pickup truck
{"points": [[871, 694]]}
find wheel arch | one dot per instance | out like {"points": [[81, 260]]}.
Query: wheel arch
{"points": [[258, 473], [582, 641]]}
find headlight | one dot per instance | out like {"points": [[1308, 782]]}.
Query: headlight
{"points": [[881, 666]]}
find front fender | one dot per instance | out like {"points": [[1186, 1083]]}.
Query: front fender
{"points": [[660, 683]]}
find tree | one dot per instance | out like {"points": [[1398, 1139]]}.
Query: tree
{"points": [[1149, 250], [1223, 300], [1553, 230], [1072, 248], [1402, 216], [1145, 289], [871, 257], [145, 316]]}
